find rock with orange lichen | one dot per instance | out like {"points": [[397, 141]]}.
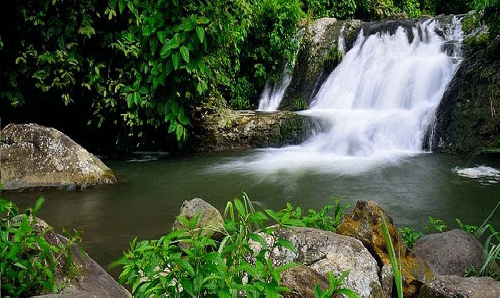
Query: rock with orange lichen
{"points": [[364, 223]]}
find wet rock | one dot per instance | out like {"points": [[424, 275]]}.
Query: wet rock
{"points": [[325, 251], [364, 223], [452, 286], [450, 253], [468, 118], [210, 219], [226, 129], [34, 156], [85, 278]]}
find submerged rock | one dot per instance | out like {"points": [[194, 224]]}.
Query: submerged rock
{"points": [[325, 251], [34, 156], [364, 223], [450, 253]]}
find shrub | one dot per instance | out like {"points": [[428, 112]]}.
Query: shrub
{"points": [[28, 262]]}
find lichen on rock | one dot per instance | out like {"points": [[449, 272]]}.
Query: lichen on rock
{"points": [[34, 156]]}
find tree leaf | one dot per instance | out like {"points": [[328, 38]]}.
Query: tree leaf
{"points": [[176, 59], [185, 53], [200, 31]]}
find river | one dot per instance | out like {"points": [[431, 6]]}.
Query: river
{"points": [[151, 189]]}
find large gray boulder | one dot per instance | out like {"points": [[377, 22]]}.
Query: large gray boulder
{"points": [[452, 286], [34, 156], [325, 251], [450, 253]]}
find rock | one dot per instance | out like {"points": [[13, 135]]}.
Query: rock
{"points": [[313, 63], [468, 118], [325, 251], [450, 253], [34, 156], [210, 219], [452, 286], [86, 278], [364, 224], [302, 280], [226, 129]]}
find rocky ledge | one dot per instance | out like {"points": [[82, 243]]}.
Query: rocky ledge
{"points": [[33, 156], [228, 130]]}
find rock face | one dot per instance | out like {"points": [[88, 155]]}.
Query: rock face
{"points": [[210, 219], [451, 286], [450, 253], [364, 223], [468, 118], [34, 156], [316, 59], [324, 251], [91, 280], [229, 130]]}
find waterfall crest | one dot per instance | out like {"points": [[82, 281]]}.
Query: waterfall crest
{"points": [[376, 106]]}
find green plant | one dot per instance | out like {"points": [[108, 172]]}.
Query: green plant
{"points": [[335, 287], [327, 219], [29, 263], [410, 236], [436, 224], [203, 268], [394, 257], [27, 266]]}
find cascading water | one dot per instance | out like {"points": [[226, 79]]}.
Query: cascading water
{"points": [[272, 95], [375, 107]]}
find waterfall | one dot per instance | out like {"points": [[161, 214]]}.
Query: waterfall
{"points": [[273, 94], [376, 106]]}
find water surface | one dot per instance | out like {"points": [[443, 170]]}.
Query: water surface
{"points": [[150, 192]]}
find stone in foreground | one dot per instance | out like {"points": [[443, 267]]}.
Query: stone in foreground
{"points": [[86, 278], [324, 251], [450, 253], [364, 223], [33, 156], [452, 286]]}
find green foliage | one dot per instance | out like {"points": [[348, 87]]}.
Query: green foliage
{"points": [[139, 64], [327, 219], [329, 8], [189, 264], [435, 224], [394, 257], [490, 15], [200, 267], [410, 236], [28, 265], [335, 287]]}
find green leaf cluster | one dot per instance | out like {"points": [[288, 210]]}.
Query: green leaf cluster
{"points": [[189, 264], [28, 262]]}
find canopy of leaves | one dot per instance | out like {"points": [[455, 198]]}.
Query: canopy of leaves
{"points": [[127, 67]]}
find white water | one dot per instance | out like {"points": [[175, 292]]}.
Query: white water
{"points": [[374, 108], [271, 97]]}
